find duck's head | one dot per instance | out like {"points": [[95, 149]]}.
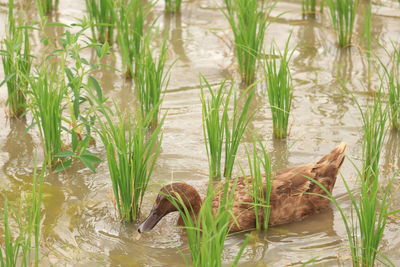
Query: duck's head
{"points": [[164, 203]]}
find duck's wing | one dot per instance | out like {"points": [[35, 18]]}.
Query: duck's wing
{"points": [[295, 180], [294, 193], [298, 179]]}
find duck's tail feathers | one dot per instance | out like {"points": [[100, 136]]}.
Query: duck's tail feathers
{"points": [[329, 165]]}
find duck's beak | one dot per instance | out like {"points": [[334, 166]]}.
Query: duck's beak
{"points": [[151, 221]]}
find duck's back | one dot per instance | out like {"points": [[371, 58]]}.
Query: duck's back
{"points": [[293, 194]]}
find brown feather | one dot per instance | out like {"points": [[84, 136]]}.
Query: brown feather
{"points": [[293, 194]]}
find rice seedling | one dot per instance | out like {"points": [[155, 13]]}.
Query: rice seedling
{"points": [[17, 63], [219, 129], [130, 23], [74, 80], [131, 155], [308, 8], [366, 224], [55, 88], [374, 127], [261, 190], [373, 208], [207, 232], [342, 14], [46, 94], [214, 124], [9, 256], [151, 79], [17, 251], [173, 5], [392, 83], [103, 19], [279, 89], [235, 128], [45, 6], [248, 20]]}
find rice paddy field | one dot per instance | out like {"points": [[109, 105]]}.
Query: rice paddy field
{"points": [[330, 90]]}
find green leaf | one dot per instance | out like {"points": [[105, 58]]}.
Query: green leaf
{"points": [[84, 61], [94, 83], [63, 165], [30, 126], [91, 157], [58, 24], [74, 140], [64, 154], [89, 161], [7, 78], [69, 73], [45, 40]]}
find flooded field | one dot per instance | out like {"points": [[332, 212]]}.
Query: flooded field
{"points": [[80, 225]]}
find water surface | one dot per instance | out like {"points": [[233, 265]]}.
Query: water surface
{"points": [[80, 224]]}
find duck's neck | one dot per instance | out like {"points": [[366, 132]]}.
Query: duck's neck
{"points": [[193, 209]]}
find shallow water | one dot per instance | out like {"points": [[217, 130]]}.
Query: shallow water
{"points": [[80, 226]]}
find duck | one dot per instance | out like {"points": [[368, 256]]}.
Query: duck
{"points": [[294, 195]]}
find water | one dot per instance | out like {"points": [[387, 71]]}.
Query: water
{"points": [[80, 224]]}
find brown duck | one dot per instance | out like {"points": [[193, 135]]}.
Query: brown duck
{"points": [[293, 195]]}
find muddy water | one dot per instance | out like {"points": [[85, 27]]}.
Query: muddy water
{"points": [[80, 226]]}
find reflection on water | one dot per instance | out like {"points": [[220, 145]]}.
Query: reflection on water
{"points": [[279, 155], [19, 145], [80, 225], [343, 65], [173, 29], [308, 47]]}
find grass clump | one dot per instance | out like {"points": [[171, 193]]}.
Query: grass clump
{"points": [[221, 131], [17, 251], [173, 5], [261, 190], [130, 24], [342, 14], [392, 83], [151, 79], [280, 89], [102, 19], [207, 232], [214, 116], [17, 63], [46, 104], [248, 20], [131, 155], [374, 127], [60, 87], [367, 222], [370, 209], [372, 206], [235, 128]]}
